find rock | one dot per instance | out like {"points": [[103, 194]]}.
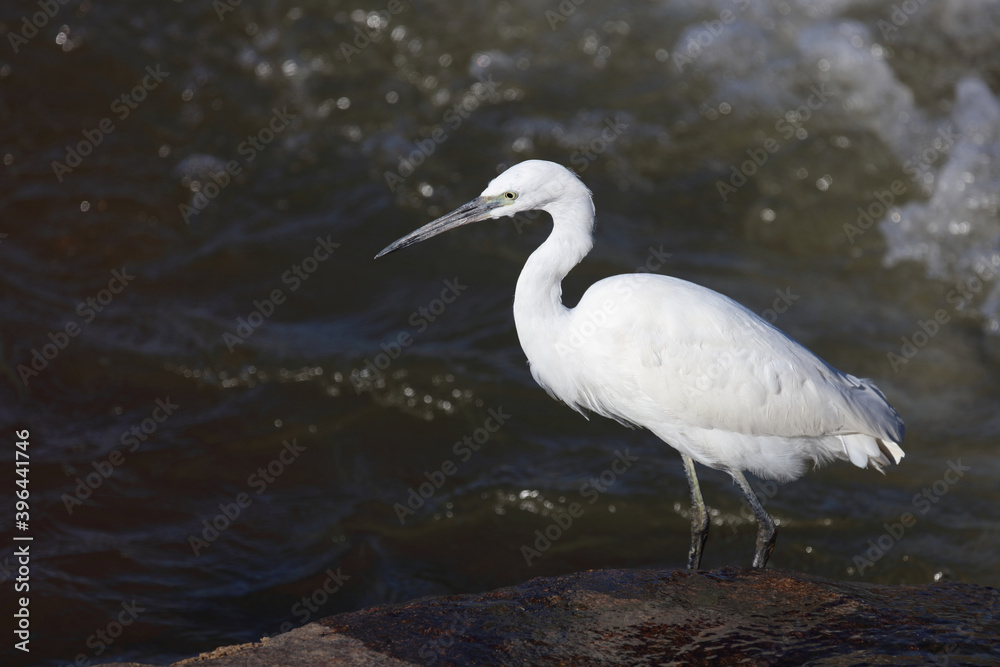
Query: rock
{"points": [[632, 617]]}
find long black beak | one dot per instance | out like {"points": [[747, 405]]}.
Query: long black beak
{"points": [[477, 209]]}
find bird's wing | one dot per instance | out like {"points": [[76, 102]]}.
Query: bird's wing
{"points": [[673, 348]]}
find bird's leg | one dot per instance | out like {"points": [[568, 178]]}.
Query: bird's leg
{"points": [[699, 516], [766, 532]]}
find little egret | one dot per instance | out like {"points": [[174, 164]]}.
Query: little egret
{"points": [[705, 374]]}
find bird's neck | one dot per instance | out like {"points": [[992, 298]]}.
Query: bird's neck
{"points": [[538, 306]]}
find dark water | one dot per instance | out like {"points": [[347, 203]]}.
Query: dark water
{"points": [[212, 342]]}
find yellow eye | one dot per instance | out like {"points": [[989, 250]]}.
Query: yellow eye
{"points": [[510, 196]]}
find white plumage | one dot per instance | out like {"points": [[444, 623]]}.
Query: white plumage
{"points": [[708, 376]]}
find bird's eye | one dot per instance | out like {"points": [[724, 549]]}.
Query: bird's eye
{"points": [[510, 196]]}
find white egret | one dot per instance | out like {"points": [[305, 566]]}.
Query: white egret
{"points": [[705, 374]]}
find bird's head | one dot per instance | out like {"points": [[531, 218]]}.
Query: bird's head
{"points": [[528, 186]]}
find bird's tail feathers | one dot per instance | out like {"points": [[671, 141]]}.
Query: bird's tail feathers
{"points": [[864, 450]]}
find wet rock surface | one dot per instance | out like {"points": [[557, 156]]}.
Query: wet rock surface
{"points": [[650, 617]]}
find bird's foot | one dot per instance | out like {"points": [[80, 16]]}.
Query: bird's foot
{"points": [[766, 537]]}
